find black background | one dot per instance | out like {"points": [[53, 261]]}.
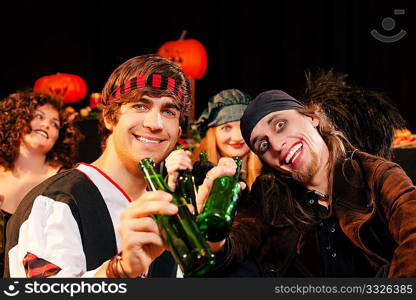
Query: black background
{"points": [[253, 46]]}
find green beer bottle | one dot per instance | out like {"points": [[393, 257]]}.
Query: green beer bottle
{"points": [[185, 185], [180, 232], [201, 168], [219, 210]]}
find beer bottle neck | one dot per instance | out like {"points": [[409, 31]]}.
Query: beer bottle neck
{"points": [[153, 179]]}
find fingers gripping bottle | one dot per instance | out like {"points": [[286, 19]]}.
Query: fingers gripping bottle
{"points": [[180, 232], [219, 210]]}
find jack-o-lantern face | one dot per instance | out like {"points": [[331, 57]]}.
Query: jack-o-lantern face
{"points": [[189, 54], [68, 87]]}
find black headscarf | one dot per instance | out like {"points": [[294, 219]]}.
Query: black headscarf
{"points": [[264, 104]]}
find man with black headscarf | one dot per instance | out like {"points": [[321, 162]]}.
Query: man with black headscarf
{"points": [[320, 208]]}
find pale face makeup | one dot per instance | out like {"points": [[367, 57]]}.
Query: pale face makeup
{"points": [[289, 142]]}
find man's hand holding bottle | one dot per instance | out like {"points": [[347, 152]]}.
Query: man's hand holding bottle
{"points": [[180, 160]]}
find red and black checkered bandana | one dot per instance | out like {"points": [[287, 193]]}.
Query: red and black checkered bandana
{"points": [[153, 80]]}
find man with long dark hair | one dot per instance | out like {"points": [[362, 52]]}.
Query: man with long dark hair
{"points": [[321, 208]]}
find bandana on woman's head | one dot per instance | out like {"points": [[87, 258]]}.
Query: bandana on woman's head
{"points": [[264, 104], [225, 107]]}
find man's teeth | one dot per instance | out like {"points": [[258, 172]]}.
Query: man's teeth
{"points": [[142, 139], [292, 152]]}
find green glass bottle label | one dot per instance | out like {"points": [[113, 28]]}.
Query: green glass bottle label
{"points": [[180, 232]]}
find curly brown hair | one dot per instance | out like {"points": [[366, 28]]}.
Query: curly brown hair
{"points": [[142, 65], [16, 113]]}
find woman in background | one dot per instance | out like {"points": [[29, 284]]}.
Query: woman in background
{"points": [[37, 142], [219, 128]]}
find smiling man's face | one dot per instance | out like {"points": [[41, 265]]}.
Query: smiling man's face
{"points": [[146, 128], [289, 142]]}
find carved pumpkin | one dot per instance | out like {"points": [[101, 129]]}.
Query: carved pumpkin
{"points": [[69, 87], [190, 54]]}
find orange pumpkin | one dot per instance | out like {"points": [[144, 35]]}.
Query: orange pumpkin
{"points": [[69, 87], [95, 99], [190, 54]]}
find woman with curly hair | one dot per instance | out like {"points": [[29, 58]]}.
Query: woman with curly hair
{"points": [[37, 142]]}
